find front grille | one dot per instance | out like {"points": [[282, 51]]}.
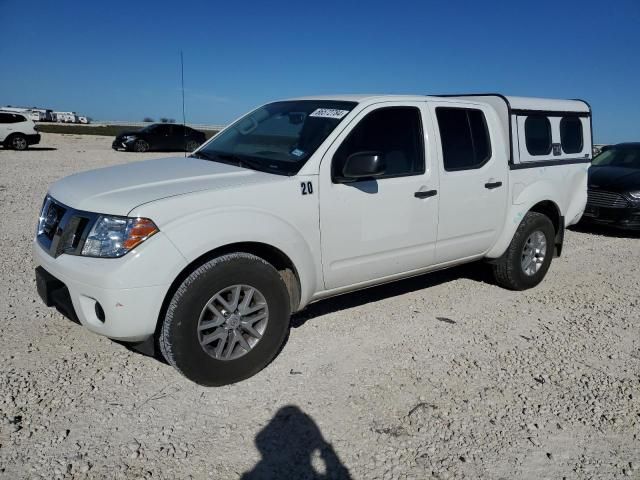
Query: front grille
{"points": [[598, 198], [63, 229]]}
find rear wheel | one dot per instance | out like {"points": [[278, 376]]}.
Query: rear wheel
{"points": [[227, 320], [141, 146], [18, 141], [527, 260]]}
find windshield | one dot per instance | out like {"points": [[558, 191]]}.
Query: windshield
{"points": [[279, 137], [619, 157]]}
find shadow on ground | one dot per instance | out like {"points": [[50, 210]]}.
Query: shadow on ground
{"points": [[605, 231], [292, 446], [477, 271]]}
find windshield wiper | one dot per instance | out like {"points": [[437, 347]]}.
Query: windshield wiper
{"points": [[240, 161], [247, 162]]}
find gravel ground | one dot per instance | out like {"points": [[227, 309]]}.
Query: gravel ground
{"points": [[442, 376]]}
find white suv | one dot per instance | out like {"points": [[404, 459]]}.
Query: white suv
{"points": [[304, 199], [17, 131]]}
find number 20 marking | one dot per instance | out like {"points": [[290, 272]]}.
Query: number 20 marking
{"points": [[307, 188]]}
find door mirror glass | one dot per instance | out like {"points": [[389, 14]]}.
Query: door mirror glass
{"points": [[362, 165]]}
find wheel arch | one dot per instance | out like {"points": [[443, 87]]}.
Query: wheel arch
{"points": [[544, 206], [551, 210], [7, 140], [274, 256]]}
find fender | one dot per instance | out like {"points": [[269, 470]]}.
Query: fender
{"points": [[524, 198], [199, 233]]}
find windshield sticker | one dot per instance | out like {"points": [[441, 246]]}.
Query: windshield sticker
{"points": [[297, 152], [329, 113]]}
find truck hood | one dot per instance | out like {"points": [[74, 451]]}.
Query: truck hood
{"points": [[118, 190]]}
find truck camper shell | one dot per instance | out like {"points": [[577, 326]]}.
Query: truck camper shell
{"points": [[514, 112]]}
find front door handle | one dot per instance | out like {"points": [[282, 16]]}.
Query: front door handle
{"points": [[492, 185], [425, 194]]}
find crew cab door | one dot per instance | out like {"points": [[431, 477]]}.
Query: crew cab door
{"points": [[473, 169], [374, 228]]}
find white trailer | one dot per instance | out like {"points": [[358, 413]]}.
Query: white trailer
{"points": [[66, 117]]}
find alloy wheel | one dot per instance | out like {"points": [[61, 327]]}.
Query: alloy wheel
{"points": [[232, 322], [533, 253]]}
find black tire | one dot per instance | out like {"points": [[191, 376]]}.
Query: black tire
{"points": [[141, 146], [192, 145], [17, 141], [508, 269], [179, 338]]}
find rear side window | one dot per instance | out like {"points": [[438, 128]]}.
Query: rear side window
{"points": [[465, 138], [11, 118], [537, 134], [571, 134], [396, 132]]}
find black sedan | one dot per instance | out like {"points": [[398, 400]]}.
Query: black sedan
{"points": [[614, 187], [160, 136]]}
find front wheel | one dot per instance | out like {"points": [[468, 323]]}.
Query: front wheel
{"points": [[227, 320], [527, 260], [141, 146]]}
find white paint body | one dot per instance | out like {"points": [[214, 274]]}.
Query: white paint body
{"points": [[65, 117], [25, 126], [339, 238]]}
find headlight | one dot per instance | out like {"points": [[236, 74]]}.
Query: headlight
{"points": [[129, 138], [635, 195], [114, 236]]}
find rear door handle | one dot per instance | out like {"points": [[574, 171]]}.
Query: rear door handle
{"points": [[492, 185], [425, 194]]}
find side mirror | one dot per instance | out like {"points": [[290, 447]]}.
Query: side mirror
{"points": [[362, 165]]}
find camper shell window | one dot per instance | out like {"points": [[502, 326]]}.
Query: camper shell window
{"points": [[571, 135], [537, 133]]}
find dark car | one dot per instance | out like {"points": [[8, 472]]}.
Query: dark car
{"points": [[614, 187], [160, 136]]}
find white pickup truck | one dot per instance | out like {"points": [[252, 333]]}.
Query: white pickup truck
{"points": [[303, 199]]}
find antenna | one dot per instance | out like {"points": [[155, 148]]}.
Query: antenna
{"points": [[184, 117]]}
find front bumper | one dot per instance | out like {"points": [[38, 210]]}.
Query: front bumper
{"points": [[127, 292], [623, 218], [33, 139]]}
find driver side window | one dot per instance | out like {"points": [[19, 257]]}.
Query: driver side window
{"points": [[395, 132]]}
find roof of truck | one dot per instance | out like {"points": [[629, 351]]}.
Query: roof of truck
{"points": [[516, 103], [534, 103]]}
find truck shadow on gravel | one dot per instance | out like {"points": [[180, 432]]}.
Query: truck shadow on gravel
{"points": [[477, 271], [292, 446]]}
